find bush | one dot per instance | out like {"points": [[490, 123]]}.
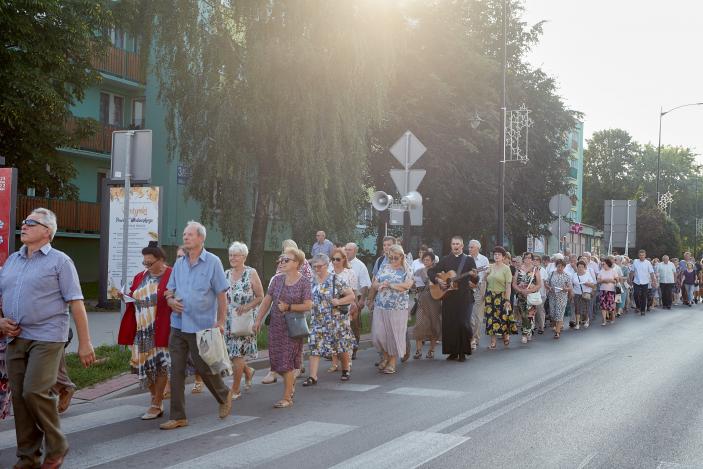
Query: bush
{"points": [[113, 360]]}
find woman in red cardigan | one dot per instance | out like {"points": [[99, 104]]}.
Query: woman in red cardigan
{"points": [[146, 326]]}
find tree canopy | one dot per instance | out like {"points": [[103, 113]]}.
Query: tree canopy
{"points": [[48, 48]]}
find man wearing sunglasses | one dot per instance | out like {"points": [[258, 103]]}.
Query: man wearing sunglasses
{"points": [[38, 284]]}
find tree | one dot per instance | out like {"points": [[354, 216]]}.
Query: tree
{"points": [[449, 70], [274, 96], [657, 233], [48, 48]]}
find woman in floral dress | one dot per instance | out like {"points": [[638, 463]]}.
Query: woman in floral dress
{"points": [[498, 312], [146, 326], [341, 268], [244, 295], [288, 292], [331, 328], [526, 280], [390, 318], [558, 288]]}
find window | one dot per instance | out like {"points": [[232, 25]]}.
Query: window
{"points": [[111, 109], [138, 113], [117, 38]]}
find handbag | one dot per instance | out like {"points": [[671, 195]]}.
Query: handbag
{"points": [[213, 350], [343, 309], [534, 298], [585, 295], [242, 324], [296, 323]]}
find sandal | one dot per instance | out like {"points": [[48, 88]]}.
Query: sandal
{"points": [[149, 415], [389, 370], [418, 355], [492, 347], [197, 387], [382, 364], [556, 336], [506, 341], [283, 403], [333, 369], [310, 381], [249, 382], [430, 355], [345, 375]]}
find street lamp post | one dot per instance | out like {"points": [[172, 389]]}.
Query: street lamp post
{"points": [[662, 113]]}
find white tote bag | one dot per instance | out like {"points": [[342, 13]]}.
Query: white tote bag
{"points": [[242, 325], [213, 350]]}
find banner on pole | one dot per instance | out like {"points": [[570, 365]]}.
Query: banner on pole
{"points": [[8, 202], [144, 217]]}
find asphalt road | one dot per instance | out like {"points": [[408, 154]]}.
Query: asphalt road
{"points": [[626, 395]]}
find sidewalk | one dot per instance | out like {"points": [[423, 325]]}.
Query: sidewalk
{"points": [[103, 326]]}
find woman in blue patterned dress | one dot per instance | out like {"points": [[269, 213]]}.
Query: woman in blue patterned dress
{"points": [[390, 316], [331, 328], [244, 295], [559, 287]]}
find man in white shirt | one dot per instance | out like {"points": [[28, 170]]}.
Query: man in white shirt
{"points": [[540, 315], [666, 271], [479, 292], [362, 275], [641, 275]]}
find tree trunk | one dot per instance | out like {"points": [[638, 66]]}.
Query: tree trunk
{"points": [[260, 225]]}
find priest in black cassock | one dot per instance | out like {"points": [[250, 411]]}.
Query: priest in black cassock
{"points": [[458, 304]]}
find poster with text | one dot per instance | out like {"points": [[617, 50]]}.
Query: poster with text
{"points": [[7, 205], [143, 227]]}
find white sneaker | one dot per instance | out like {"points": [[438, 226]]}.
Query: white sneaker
{"points": [[524, 339], [578, 326], [585, 326]]}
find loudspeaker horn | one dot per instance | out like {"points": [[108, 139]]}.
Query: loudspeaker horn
{"points": [[411, 200], [381, 201]]}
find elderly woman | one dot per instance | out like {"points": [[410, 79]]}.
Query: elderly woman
{"points": [[583, 283], [607, 279], [288, 292], [339, 265], [428, 323], [331, 329], [146, 326], [527, 279], [389, 292], [558, 288], [244, 295], [497, 309]]}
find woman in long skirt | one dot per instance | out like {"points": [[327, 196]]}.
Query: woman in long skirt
{"points": [[428, 323]]}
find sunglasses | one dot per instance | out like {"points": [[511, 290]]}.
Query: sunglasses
{"points": [[32, 222], [148, 264], [337, 259], [394, 258], [284, 260]]}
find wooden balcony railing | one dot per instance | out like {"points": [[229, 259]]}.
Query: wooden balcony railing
{"points": [[100, 142], [121, 63], [71, 215]]}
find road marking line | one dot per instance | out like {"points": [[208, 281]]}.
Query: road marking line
{"points": [[509, 407], [426, 392], [408, 451], [154, 438], [587, 460], [500, 399], [348, 387], [84, 421], [267, 448]]}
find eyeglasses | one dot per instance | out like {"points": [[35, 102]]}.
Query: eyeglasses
{"points": [[319, 266], [284, 260], [337, 259], [394, 258], [32, 222], [148, 264]]}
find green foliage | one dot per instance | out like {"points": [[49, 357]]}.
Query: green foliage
{"points": [[657, 233], [617, 167], [449, 70], [116, 362], [48, 47]]}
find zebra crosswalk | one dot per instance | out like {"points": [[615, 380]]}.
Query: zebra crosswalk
{"points": [[115, 437]]}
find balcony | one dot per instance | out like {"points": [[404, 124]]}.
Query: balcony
{"points": [[71, 215], [573, 173], [100, 142], [122, 64]]}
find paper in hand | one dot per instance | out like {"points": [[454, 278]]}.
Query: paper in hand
{"points": [[125, 295]]}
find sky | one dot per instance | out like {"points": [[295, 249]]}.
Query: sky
{"points": [[618, 61]]}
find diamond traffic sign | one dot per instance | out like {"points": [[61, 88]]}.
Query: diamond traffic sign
{"points": [[407, 180], [408, 149]]}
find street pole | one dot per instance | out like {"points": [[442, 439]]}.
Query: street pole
{"points": [[695, 227], [125, 215], [501, 153], [659, 149]]}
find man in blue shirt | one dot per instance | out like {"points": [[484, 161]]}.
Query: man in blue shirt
{"points": [[322, 245], [196, 294], [37, 285]]}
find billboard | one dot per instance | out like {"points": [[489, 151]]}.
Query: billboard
{"points": [[620, 224], [8, 202]]}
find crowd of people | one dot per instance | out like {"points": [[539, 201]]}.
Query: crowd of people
{"points": [[457, 301]]}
